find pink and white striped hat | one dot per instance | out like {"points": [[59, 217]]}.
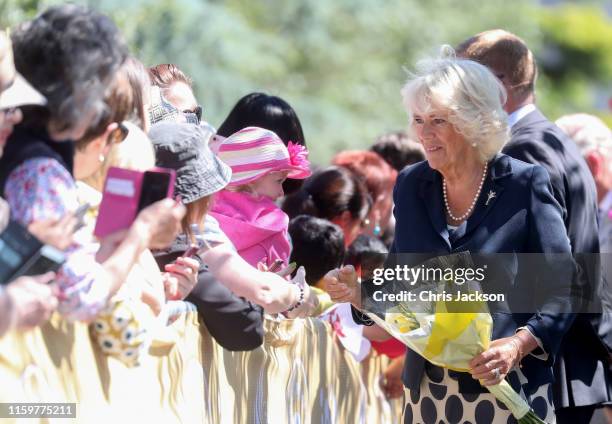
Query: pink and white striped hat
{"points": [[254, 152]]}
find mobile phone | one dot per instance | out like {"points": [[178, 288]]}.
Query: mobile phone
{"points": [[48, 258], [155, 187], [193, 250], [276, 265], [206, 246], [126, 193], [288, 270], [79, 214], [23, 254]]}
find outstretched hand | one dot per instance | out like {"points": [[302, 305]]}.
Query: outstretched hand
{"points": [[342, 285], [160, 223]]}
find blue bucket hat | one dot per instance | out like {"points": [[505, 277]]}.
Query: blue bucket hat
{"points": [[184, 148]]}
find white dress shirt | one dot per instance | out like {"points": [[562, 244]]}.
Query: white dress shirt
{"points": [[519, 114]]}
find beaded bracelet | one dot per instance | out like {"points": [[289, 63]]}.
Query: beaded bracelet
{"points": [[299, 302]]}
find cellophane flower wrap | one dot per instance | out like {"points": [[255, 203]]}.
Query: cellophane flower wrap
{"points": [[451, 333]]}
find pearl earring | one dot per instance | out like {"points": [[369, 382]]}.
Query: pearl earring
{"points": [[473, 144], [101, 158]]}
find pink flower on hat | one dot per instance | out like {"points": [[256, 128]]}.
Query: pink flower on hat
{"points": [[254, 152], [298, 156]]}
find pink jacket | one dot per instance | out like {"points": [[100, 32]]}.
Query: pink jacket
{"points": [[256, 226]]}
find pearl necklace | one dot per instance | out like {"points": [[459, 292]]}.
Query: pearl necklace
{"points": [[471, 208]]}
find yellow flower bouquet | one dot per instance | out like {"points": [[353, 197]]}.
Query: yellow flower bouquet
{"points": [[449, 333]]}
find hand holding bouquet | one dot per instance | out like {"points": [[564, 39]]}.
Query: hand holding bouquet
{"points": [[449, 333]]}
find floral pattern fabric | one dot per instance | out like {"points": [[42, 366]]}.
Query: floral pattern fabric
{"points": [[41, 189]]}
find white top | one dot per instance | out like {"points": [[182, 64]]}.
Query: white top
{"points": [[519, 114]]}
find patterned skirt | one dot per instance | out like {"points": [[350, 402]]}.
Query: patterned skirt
{"points": [[440, 402]]}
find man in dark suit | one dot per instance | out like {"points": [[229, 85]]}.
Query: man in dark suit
{"points": [[582, 377], [594, 139]]}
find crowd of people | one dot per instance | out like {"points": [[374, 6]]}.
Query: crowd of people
{"points": [[478, 169]]}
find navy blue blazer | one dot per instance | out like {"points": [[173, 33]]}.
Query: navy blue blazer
{"points": [[581, 369], [523, 217]]}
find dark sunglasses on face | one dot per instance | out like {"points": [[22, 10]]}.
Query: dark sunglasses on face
{"points": [[9, 111], [118, 135], [197, 111]]}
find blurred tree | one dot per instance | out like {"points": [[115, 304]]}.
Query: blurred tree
{"points": [[15, 11], [576, 59], [340, 64]]}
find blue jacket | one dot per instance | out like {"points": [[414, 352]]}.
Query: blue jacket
{"points": [[523, 217]]}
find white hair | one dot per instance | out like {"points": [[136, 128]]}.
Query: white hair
{"points": [[588, 132], [468, 91]]}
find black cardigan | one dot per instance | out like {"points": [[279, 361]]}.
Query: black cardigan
{"points": [[29, 143], [235, 323]]}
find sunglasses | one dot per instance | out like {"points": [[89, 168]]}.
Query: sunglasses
{"points": [[118, 135], [9, 111], [197, 111]]}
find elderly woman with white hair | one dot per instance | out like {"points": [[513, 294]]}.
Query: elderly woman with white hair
{"points": [[467, 196]]}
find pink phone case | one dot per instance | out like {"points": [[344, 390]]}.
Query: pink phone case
{"points": [[121, 197]]}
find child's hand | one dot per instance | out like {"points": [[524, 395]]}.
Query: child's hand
{"points": [[180, 277], [310, 302]]}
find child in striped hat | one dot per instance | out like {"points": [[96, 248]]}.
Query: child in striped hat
{"points": [[246, 209]]}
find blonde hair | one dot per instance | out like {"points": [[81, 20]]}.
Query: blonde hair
{"points": [[135, 152], [242, 188], [468, 91], [196, 211], [248, 187]]}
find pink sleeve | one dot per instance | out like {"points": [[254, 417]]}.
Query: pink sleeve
{"points": [[41, 189]]}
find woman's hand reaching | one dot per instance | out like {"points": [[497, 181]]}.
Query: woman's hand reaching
{"points": [[159, 223], [342, 285]]}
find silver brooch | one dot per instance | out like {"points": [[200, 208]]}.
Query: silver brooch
{"points": [[490, 196]]}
